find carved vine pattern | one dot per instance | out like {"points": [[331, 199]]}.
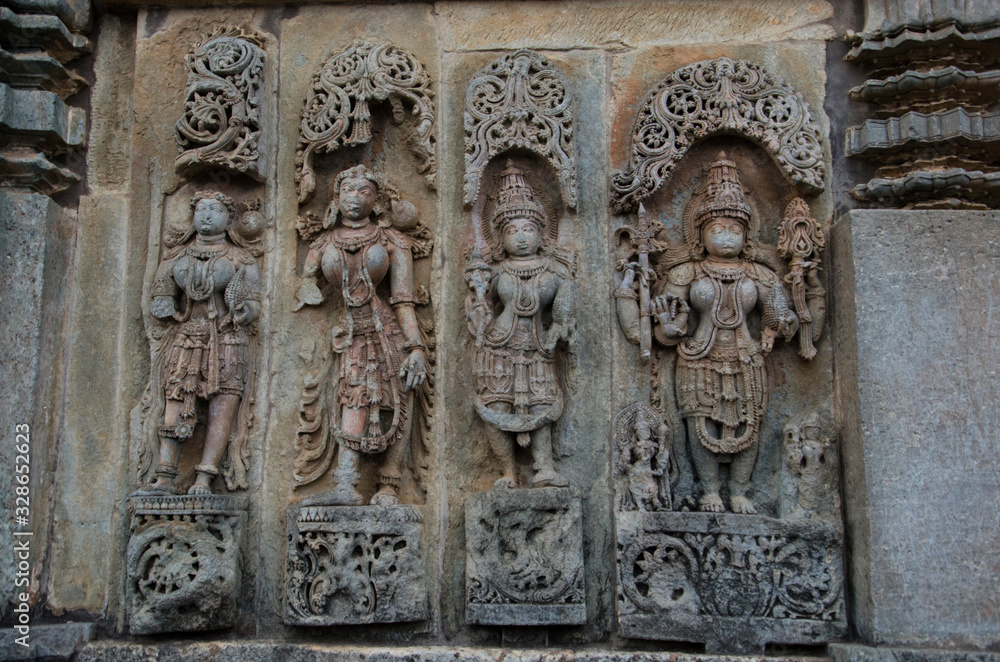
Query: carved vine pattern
{"points": [[337, 113], [221, 121], [720, 96], [519, 101]]}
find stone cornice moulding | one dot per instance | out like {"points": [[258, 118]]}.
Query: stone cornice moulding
{"points": [[914, 129]]}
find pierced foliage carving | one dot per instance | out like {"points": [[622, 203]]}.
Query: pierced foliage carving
{"points": [[524, 558], [720, 96], [184, 563], [354, 565], [337, 113], [221, 124], [734, 582], [519, 101]]}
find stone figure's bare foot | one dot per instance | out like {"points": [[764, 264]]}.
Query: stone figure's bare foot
{"points": [[505, 483], [159, 487], [199, 488], [385, 497], [711, 503], [549, 478], [742, 505], [346, 496]]}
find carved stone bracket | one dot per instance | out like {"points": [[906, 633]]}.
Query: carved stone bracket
{"points": [[221, 125], [720, 96], [183, 562], [524, 557], [336, 113], [519, 101], [354, 565], [735, 582]]}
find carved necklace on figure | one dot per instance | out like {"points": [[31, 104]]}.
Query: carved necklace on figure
{"points": [[201, 283], [526, 298], [357, 244], [727, 281]]}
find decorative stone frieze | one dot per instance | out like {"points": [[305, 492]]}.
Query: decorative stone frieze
{"points": [[337, 111], [519, 101], [222, 120], [734, 582], [712, 97], [354, 565], [524, 557], [184, 562]]}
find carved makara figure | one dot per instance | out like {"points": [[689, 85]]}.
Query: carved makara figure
{"points": [[520, 309], [709, 288], [207, 290], [380, 345]]}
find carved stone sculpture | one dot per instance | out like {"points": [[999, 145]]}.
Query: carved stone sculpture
{"points": [[519, 101], [524, 558], [710, 288], [365, 249], [733, 582], [337, 112], [354, 566], [206, 295], [812, 461], [520, 310], [643, 464], [720, 96], [221, 125], [183, 562]]}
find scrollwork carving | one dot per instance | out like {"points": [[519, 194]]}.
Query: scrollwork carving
{"points": [[337, 113], [519, 101], [221, 125], [713, 97]]}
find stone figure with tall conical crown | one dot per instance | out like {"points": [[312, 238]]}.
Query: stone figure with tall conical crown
{"points": [[709, 288], [520, 309]]}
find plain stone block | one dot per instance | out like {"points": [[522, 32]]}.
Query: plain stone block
{"points": [[918, 355]]}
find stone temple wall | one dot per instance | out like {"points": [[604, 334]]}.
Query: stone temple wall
{"points": [[599, 329]]}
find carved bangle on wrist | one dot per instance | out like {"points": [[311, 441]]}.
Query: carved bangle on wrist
{"points": [[410, 346], [626, 293]]}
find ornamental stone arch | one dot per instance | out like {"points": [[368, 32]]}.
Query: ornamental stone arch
{"points": [[713, 97]]}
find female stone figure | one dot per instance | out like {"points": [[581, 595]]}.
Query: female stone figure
{"points": [[382, 352], [519, 309], [708, 292], [206, 288]]}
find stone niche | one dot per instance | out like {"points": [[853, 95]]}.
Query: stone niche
{"points": [[524, 557], [354, 565], [184, 562]]}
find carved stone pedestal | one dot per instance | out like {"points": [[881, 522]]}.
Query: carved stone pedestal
{"points": [[734, 582], [354, 565], [184, 562], [524, 557]]}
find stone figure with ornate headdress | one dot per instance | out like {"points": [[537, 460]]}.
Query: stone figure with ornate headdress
{"points": [[708, 289], [206, 290], [521, 311]]}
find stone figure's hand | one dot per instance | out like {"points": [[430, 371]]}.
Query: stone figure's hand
{"points": [[789, 325], [242, 314], [556, 333], [414, 370], [162, 307], [666, 308], [767, 340], [308, 294], [629, 277]]}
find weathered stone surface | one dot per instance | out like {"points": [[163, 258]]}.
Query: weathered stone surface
{"points": [[41, 118], [955, 126], [524, 557], [917, 390], [47, 643], [735, 582], [858, 653], [41, 31], [184, 562], [354, 564], [39, 71], [234, 651]]}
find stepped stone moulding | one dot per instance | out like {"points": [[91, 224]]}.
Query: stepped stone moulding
{"points": [[221, 125], [354, 565], [734, 582], [721, 96], [337, 111], [519, 101], [524, 557], [183, 562]]}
